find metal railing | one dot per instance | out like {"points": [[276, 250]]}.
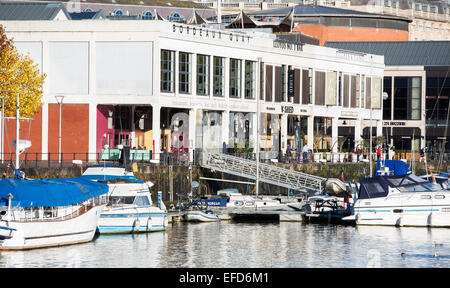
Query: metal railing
{"points": [[36, 160], [268, 173]]}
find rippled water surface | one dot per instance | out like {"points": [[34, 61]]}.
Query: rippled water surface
{"points": [[255, 245]]}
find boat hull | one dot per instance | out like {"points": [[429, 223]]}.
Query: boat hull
{"points": [[125, 221], [199, 216], [40, 234]]}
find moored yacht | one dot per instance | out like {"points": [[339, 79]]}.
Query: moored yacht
{"points": [[49, 212], [403, 200], [130, 207]]}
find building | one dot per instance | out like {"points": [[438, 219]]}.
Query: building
{"points": [[33, 11], [417, 88], [164, 86], [336, 24], [429, 20]]}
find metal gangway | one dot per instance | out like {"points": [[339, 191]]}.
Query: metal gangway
{"points": [[268, 173]]}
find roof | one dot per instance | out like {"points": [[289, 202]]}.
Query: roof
{"points": [[402, 53], [87, 15], [31, 10], [317, 10], [49, 193], [244, 21]]}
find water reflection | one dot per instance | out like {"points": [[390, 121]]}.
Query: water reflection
{"points": [[255, 245]]}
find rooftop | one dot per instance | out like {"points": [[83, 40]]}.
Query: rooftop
{"points": [[402, 53]]}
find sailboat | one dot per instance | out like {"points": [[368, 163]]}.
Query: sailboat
{"points": [[49, 212]]}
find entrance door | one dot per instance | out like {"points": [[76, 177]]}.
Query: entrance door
{"points": [[124, 138]]}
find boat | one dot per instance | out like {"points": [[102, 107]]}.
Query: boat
{"points": [[231, 198], [130, 207], [49, 212], [334, 205], [401, 200], [200, 216]]}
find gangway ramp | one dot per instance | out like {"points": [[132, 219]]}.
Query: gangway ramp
{"points": [[268, 173]]}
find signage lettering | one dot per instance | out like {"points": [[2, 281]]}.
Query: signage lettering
{"points": [[206, 33], [394, 123]]}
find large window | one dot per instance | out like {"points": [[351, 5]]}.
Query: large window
{"points": [[184, 72], [250, 72], [235, 78], [202, 75], [438, 93], [387, 88], [218, 76], [407, 98], [167, 71]]}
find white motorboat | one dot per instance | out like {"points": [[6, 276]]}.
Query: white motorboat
{"points": [[403, 200], [49, 212], [237, 200], [200, 216], [130, 207]]}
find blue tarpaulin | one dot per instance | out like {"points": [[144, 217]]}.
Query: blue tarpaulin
{"points": [[49, 192], [396, 167]]}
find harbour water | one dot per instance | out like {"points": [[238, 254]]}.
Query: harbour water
{"points": [[250, 245]]}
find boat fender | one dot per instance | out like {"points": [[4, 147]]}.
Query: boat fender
{"points": [[137, 225], [149, 224]]}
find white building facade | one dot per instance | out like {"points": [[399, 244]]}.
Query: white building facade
{"points": [[161, 86]]}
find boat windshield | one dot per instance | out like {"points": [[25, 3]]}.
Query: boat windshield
{"points": [[423, 187]]}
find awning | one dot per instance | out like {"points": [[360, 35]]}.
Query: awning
{"points": [[49, 192]]}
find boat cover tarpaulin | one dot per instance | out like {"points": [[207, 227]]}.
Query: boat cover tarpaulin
{"points": [[398, 167], [49, 192]]}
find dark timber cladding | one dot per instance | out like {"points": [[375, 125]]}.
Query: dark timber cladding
{"points": [[269, 72], [346, 90], [305, 87], [320, 88], [353, 99], [297, 74], [368, 93], [278, 80]]}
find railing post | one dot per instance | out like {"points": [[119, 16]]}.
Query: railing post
{"points": [[49, 159], [37, 155]]}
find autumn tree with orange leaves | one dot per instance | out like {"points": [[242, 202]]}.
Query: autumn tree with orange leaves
{"points": [[19, 74]]}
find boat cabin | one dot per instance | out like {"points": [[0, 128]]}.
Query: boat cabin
{"points": [[380, 186]]}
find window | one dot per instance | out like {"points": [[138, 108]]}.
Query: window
{"points": [[118, 12], [283, 83], [167, 71], [407, 95], [387, 88], [176, 17], [184, 72], [147, 16], [250, 82], [141, 201], [218, 76], [202, 75], [235, 78]]}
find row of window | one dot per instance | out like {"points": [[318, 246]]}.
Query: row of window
{"points": [[147, 15], [203, 75], [281, 83]]}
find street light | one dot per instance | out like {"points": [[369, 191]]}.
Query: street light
{"points": [[59, 99]]}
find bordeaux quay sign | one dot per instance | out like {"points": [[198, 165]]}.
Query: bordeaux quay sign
{"points": [[212, 34]]}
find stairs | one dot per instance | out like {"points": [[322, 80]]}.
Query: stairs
{"points": [[267, 173]]}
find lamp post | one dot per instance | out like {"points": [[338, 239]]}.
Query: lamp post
{"points": [[59, 99]]}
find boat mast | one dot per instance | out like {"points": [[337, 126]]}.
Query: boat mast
{"points": [[258, 119], [17, 131]]}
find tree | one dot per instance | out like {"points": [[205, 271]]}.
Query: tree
{"points": [[19, 74]]}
